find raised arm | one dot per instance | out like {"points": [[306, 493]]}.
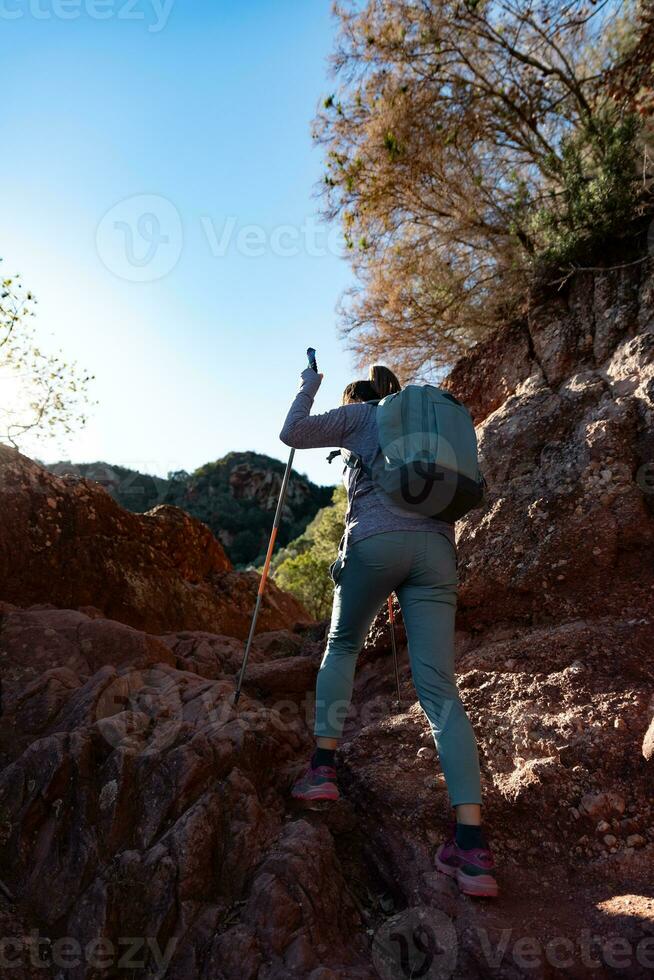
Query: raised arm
{"points": [[337, 428]]}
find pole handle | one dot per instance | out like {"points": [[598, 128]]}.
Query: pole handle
{"points": [[391, 611]]}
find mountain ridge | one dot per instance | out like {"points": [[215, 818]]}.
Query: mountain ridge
{"points": [[234, 495]]}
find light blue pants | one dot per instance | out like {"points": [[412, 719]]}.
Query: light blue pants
{"points": [[421, 568]]}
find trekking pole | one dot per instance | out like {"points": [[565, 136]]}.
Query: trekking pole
{"points": [[271, 544], [391, 622]]}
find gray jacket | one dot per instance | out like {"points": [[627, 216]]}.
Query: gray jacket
{"points": [[352, 427]]}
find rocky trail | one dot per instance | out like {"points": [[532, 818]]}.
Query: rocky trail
{"points": [[146, 827], [144, 805]]}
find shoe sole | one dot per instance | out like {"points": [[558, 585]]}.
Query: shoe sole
{"points": [[320, 793], [313, 806], [479, 886]]}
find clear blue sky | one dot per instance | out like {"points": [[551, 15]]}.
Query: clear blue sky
{"points": [[182, 124]]}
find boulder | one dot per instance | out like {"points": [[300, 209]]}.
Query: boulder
{"points": [[564, 405], [160, 571]]}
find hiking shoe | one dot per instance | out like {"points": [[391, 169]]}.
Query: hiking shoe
{"points": [[316, 784], [473, 869]]}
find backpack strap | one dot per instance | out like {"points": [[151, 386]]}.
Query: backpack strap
{"points": [[340, 452], [342, 547], [355, 462], [350, 459]]}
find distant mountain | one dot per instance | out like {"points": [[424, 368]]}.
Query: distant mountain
{"points": [[235, 496]]}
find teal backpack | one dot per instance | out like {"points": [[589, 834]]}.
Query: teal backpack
{"points": [[427, 461]]}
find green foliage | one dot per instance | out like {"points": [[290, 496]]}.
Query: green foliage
{"points": [[239, 506], [392, 145], [326, 529], [597, 201], [302, 568], [307, 577]]}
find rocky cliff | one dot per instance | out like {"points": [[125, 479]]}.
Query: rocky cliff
{"points": [[235, 497], [135, 800], [564, 406], [65, 541]]}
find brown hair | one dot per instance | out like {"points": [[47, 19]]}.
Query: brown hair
{"points": [[383, 381], [359, 391]]}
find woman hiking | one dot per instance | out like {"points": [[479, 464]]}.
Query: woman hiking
{"points": [[414, 556]]}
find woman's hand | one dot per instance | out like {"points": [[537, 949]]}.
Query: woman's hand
{"points": [[310, 381]]}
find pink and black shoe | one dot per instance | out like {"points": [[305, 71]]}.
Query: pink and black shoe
{"points": [[316, 785], [473, 869]]}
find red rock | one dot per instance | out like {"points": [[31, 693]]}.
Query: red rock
{"points": [[492, 370], [159, 571], [543, 544], [597, 805], [295, 676]]}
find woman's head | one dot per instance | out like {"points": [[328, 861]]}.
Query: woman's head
{"points": [[359, 391], [381, 382]]}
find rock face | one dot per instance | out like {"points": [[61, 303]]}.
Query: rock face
{"points": [[263, 487], [137, 800], [66, 542], [564, 406], [237, 496], [234, 496], [133, 490]]}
